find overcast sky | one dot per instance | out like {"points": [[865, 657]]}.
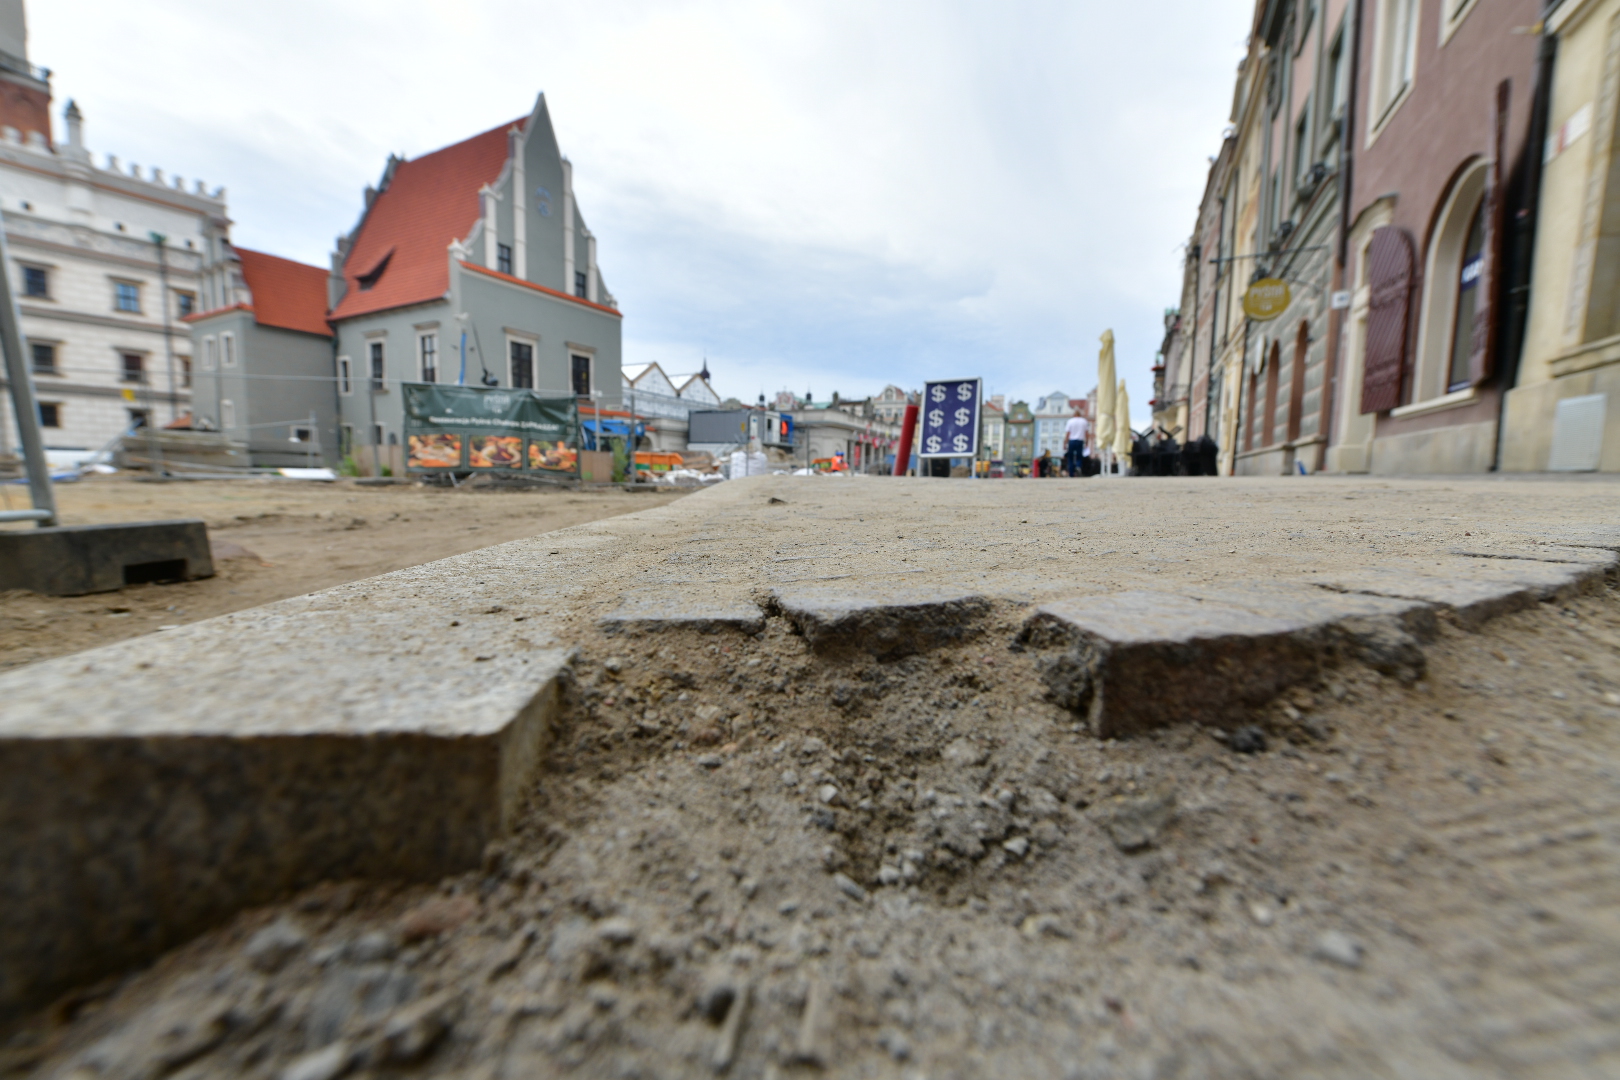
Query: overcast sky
{"points": [[815, 196]]}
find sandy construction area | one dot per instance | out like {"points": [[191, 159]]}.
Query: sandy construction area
{"points": [[274, 539]]}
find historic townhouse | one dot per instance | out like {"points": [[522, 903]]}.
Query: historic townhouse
{"points": [[1201, 324], [472, 263], [105, 262], [1438, 225], [1271, 210], [1565, 412]]}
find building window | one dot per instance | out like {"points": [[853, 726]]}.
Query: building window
{"points": [[378, 435], [303, 434], [36, 282], [134, 367], [1337, 75], [185, 303], [1397, 53], [581, 284], [50, 414], [44, 356], [127, 297], [346, 440], [378, 376], [1468, 281], [227, 350], [227, 413], [345, 376], [138, 418], [210, 353], [503, 258], [580, 371], [427, 346], [185, 371], [522, 365]]}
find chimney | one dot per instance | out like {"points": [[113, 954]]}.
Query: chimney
{"points": [[74, 120]]}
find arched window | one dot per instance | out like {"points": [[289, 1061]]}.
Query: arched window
{"points": [[1468, 285]]}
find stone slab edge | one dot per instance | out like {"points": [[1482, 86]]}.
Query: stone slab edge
{"points": [[123, 841], [1132, 661], [882, 626]]}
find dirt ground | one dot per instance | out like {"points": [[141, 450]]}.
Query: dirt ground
{"points": [[276, 538], [748, 859]]}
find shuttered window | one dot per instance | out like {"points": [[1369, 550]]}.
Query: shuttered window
{"points": [[1389, 278]]}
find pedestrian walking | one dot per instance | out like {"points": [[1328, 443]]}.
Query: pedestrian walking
{"points": [[1076, 431]]}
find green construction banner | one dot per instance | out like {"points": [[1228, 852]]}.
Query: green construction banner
{"points": [[476, 427]]}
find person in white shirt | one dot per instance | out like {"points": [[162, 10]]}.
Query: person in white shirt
{"points": [[1075, 431]]}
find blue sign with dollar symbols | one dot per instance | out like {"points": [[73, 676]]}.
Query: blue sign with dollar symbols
{"points": [[950, 418]]}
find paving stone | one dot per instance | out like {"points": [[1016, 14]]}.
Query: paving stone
{"points": [[1474, 590], [883, 622], [1134, 661], [150, 789]]}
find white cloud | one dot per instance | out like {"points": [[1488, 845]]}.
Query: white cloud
{"points": [[829, 195]]}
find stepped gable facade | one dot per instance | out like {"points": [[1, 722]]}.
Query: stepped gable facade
{"points": [[472, 263]]}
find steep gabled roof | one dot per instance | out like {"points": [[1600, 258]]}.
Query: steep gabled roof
{"points": [[429, 202], [291, 295]]}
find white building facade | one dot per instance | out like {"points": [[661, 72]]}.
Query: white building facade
{"points": [[1052, 414], [104, 261]]}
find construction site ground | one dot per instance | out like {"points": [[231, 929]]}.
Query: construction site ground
{"points": [[274, 538], [747, 857]]}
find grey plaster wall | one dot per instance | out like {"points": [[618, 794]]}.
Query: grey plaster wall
{"points": [[210, 388], [291, 376], [398, 327], [280, 377], [497, 306]]}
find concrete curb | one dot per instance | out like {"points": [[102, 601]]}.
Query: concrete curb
{"points": [[146, 793]]}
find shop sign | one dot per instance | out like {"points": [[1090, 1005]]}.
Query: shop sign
{"points": [[1267, 299]]}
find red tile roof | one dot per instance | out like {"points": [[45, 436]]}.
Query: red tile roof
{"points": [[430, 201], [291, 295]]}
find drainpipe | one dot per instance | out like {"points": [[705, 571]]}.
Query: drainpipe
{"points": [[1525, 242], [158, 241], [1192, 346], [1214, 313], [1347, 168]]}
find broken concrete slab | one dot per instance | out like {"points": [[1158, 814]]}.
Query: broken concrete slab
{"points": [[152, 788], [884, 622], [72, 560]]}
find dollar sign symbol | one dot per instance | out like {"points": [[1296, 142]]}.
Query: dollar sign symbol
{"points": [[936, 418], [938, 394], [962, 417], [964, 392], [933, 444]]}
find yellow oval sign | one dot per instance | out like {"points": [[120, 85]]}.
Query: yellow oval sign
{"points": [[1267, 299]]}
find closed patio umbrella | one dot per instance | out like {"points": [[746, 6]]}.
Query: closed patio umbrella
{"points": [[1105, 393], [1122, 425]]}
